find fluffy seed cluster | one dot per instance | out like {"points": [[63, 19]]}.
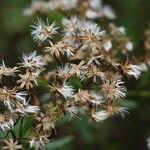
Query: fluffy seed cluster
{"points": [[83, 73], [91, 9]]}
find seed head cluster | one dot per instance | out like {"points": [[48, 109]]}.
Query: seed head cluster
{"points": [[83, 72]]}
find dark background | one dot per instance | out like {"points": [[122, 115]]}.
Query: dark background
{"points": [[115, 133]]}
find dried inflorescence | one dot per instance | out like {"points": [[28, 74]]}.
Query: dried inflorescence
{"points": [[95, 58], [96, 66], [91, 9]]}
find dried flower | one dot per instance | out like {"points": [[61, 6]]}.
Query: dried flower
{"points": [[95, 73], [100, 115], [32, 61], [11, 144], [64, 71], [70, 26], [96, 99], [113, 90], [6, 123], [79, 69], [9, 97], [67, 91], [47, 121], [60, 49], [42, 31], [72, 110], [39, 142], [131, 70], [27, 109], [4, 71], [90, 33], [97, 10], [28, 80]]}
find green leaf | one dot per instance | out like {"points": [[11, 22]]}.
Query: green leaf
{"points": [[64, 120], [2, 134], [85, 129], [42, 82], [76, 83], [27, 126], [60, 143]]}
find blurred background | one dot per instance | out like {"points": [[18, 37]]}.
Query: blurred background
{"points": [[115, 133]]}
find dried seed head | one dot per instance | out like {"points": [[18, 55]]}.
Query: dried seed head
{"points": [[42, 31]]}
